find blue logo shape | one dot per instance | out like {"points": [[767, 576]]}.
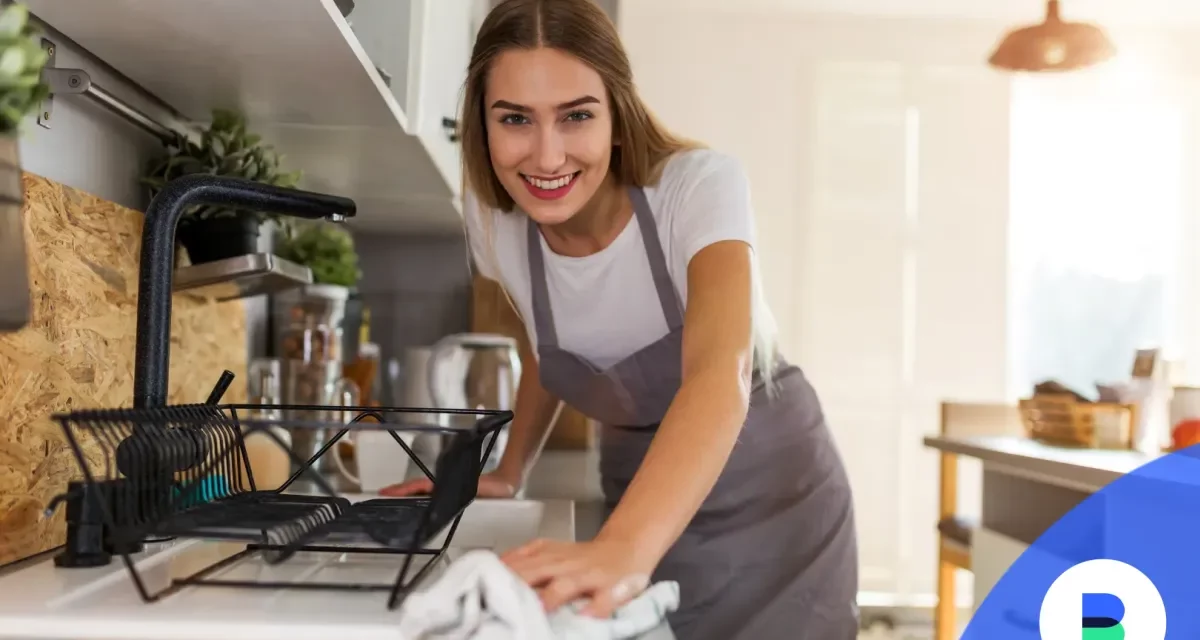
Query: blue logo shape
{"points": [[1119, 566], [1102, 613]]}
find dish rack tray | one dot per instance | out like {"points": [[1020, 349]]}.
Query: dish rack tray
{"points": [[182, 471]]}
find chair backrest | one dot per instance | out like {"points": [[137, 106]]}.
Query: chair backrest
{"points": [[981, 419], [965, 419]]}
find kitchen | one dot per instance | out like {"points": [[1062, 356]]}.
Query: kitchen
{"points": [[103, 141], [863, 93]]}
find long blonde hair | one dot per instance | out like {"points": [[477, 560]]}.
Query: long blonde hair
{"points": [[642, 145]]}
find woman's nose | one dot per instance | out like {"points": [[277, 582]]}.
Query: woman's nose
{"points": [[551, 153]]}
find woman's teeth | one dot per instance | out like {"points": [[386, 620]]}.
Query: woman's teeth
{"points": [[550, 185]]}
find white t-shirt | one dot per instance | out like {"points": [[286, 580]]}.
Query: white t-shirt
{"points": [[605, 305]]}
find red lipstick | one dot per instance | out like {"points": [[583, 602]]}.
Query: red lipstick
{"points": [[553, 193]]}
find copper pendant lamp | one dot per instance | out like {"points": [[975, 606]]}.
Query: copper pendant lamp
{"points": [[1053, 45]]}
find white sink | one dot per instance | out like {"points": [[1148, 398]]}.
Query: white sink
{"points": [[501, 525]]}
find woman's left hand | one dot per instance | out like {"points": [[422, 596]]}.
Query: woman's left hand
{"points": [[607, 573]]}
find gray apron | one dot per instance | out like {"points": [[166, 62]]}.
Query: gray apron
{"points": [[772, 551]]}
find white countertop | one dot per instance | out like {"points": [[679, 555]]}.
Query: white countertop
{"points": [[43, 601], [1082, 469], [40, 601]]}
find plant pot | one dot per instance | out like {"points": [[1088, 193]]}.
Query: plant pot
{"points": [[213, 239], [14, 283]]}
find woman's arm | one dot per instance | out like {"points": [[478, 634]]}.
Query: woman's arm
{"points": [[534, 412], [697, 434]]}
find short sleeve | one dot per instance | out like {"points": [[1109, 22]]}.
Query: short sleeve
{"points": [[713, 201], [480, 234]]}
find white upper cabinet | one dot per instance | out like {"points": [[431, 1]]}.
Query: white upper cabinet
{"points": [[308, 79], [386, 30], [424, 45], [445, 52]]}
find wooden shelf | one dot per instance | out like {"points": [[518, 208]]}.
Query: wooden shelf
{"points": [[298, 73]]}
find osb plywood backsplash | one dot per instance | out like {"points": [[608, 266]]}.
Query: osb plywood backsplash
{"points": [[78, 350]]}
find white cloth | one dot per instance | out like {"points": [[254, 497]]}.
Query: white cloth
{"points": [[479, 598], [605, 305]]}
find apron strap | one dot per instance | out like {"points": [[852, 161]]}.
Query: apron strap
{"points": [[668, 297], [543, 317]]}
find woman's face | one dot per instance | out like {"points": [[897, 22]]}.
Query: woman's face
{"points": [[549, 129]]}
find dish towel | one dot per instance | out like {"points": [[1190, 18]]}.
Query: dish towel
{"points": [[479, 598]]}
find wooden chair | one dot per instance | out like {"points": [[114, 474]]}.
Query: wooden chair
{"points": [[954, 531]]}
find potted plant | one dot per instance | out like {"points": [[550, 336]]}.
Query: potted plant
{"points": [[324, 247], [21, 92], [225, 148]]}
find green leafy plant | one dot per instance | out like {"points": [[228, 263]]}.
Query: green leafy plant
{"points": [[324, 247], [21, 61], [225, 148]]}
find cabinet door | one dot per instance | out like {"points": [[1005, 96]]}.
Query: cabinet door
{"points": [[386, 31], [446, 40]]}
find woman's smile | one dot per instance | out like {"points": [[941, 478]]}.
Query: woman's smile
{"points": [[550, 188]]}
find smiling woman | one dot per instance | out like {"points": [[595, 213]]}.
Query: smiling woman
{"points": [[629, 254]]}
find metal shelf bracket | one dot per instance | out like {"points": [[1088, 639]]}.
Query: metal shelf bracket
{"points": [[47, 108], [78, 82]]}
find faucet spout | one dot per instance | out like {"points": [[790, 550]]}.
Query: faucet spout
{"points": [[156, 271]]}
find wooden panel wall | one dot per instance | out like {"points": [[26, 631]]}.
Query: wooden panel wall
{"points": [[492, 313], [78, 350]]}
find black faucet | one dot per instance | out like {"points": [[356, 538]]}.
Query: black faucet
{"points": [[155, 280]]}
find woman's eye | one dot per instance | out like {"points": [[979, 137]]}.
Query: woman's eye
{"points": [[579, 116], [514, 118]]}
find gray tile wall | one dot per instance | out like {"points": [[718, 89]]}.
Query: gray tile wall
{"points": [[418, 288]]}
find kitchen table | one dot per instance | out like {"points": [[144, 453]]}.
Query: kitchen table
{"points": [[1027, 487], [40, 601]]}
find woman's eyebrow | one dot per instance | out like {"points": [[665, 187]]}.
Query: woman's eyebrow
{"points": [[512, 106], [578, 102]]}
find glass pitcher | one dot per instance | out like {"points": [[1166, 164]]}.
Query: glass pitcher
{"points": [[475, 371]]}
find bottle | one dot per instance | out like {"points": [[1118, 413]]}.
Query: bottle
{"points": [[268, 456]]}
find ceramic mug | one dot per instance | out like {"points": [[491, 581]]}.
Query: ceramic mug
{"points": [[380, 460]]}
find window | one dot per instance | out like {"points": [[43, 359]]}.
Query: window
{"points": [[1097, 188]]}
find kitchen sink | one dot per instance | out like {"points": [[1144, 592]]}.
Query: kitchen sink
{"points": [[501, 525]]}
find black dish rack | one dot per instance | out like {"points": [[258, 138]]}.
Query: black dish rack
{"points": [[182, 471]]}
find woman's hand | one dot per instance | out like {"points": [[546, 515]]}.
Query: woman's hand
{"points": [[491, 485], [608, 573]]}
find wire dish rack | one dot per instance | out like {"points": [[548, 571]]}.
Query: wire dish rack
{"points": [[182, 471]]}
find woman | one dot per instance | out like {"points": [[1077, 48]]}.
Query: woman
{"points": [[628, 252]]}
